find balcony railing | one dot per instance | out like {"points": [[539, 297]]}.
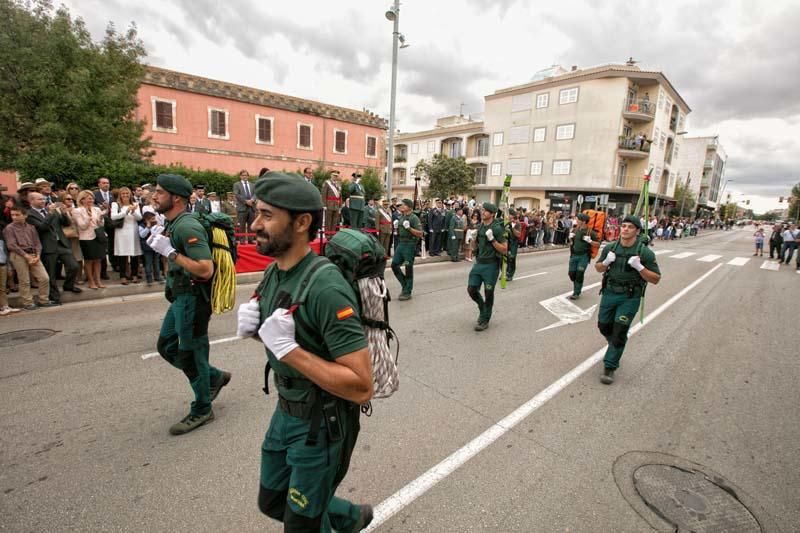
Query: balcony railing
{"points": [[628, 182], [631, 143], [400, 159], [639, 109]]}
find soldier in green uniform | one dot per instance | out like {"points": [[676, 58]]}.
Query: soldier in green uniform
{"points": [[513, 229], [491, 246], [318, 351], [356, 202], [370, 210], [409, 232], [455, 234], [203, 204], [627, 265], [579, 254], [183, 340]]}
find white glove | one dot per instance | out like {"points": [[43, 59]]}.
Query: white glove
{"points": [[636, 263], [406, 224], [158, 229], [277, 332], [588, 239], [395, 223], [160, 244], [571, 235], [249, 318], [453, 237], [610, 258], [489, 235]]}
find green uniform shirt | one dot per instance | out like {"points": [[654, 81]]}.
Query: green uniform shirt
{"points": [[189, 238], [486, 249], [620, 272], [403, 235], [579, 246], [328, 324]]}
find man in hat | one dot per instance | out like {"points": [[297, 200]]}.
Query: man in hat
{"points": [[384, 225], [213, 201], [202, 205], [580, 252], [183, 340], [332, 199], [455, 234], [228, 206], [492, 246], [356, 202], [370, 210], [22, 193], [627, 265], [409, 232], [318, 351], [45, 188]]}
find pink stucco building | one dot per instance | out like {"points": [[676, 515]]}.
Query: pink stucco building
{"points": [[208, 124]]}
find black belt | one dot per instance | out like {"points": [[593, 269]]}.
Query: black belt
{"points": [[297, 409]]}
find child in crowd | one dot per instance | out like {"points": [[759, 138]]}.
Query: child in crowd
{"points": [[24, 247], [759, 239], [152, 263]]}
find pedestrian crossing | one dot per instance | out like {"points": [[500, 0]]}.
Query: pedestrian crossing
{"points": [[682, 255], [709, 258], [740, 261], [770, 265]]}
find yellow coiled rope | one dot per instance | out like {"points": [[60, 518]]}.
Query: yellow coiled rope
{"points": [[223, 289]]}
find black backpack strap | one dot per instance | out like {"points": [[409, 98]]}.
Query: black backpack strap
{"points": [[265, 388], [267, 274]]}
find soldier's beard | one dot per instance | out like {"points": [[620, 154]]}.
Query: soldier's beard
{"points": [[274, 245]]}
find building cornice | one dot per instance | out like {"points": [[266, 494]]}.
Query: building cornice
{"points": [[471, 127], [180, 81]]}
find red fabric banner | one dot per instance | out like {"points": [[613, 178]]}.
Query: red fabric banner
{"points": [[251, 261]]}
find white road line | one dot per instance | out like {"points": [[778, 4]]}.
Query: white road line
{"points": [[530, 276], [770, 265], [416, 488], [218, 341], [682, 255], [659, 252], [709, 258], [738, 261]]}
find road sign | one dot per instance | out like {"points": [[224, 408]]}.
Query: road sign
{"points": [[603, 199], [580, 198], [591, 198]]}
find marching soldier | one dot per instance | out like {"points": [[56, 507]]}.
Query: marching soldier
{"points": [[627, 266], [318, 352], [332, 199], [409, 232], [513, 229], [579, 254], [385, 225], [356, 202], [491, 246]]}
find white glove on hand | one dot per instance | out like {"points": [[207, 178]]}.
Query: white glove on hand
{"points": [[571, 235], [636, 263], [277, 332], [610, 258], [395, 223], [588, 239], [249, 318], [160, 244], [489, 235], [406, 224]]}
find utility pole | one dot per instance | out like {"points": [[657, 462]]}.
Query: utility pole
{"points": [[395, 11]]}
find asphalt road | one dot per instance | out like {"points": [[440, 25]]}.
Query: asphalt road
{"points": [[710, 378]]}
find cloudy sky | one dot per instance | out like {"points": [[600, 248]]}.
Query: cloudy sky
{"points": [[737, 63]]}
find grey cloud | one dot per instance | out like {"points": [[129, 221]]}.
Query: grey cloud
{"points": [[482, 6]]}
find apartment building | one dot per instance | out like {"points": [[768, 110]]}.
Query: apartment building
{"points": [[587, 132], [454, 136], [701, 162], [210, 124]]}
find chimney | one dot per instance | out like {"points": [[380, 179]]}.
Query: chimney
{"points": [[574, 68]]}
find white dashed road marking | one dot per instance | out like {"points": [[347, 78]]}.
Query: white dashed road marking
{"points": [[682, 255], [739, 261], [659, 252], [770, 265], [709, 258]]}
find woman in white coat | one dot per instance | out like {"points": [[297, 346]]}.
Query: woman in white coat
{"points": [[126, 238]]}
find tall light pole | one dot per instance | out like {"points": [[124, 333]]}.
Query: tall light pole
{"points": [[392, 14]]}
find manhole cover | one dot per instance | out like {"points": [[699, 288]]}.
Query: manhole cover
{"points": [[690, 501], [24, 336]]}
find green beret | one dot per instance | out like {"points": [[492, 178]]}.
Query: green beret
{"points": [[287, 192], [490, 207], [583, 217], [408, 203], [174, 184], [636, 221]]}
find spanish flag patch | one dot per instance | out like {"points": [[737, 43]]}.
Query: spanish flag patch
{"points": [[192, 240], [347, 312]]}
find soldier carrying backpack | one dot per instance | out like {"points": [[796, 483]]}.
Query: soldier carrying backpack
{"points": [[307, 314]]}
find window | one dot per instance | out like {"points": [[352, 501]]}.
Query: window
{"points": [[663, 140], [518, 135], [340, 141], [431, 146], [521, 102], [482, 147], [163, 115], [480, 175], [496, 169], [455, 149], [218, 123], [539, 134], [562, 167], [568, 96], [516, 166], [304, 136], [565, 132], [414, 148], [372, 146], [542, 100], [497, 139], [264, 129], [536, 168]]}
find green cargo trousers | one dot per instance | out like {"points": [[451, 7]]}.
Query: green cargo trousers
{"points": [[486, 274], [183, 343], [404, 256], [576, 271], [614, 319]]}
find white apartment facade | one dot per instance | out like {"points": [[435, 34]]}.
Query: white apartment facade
{"points": [[701, 163], [585, 132]]}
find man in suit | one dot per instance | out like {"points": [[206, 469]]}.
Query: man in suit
{"points": [[332, 200], [435, 226], [245, 204], [49, 222], [103, 199], [308, 175], [356, 202]]}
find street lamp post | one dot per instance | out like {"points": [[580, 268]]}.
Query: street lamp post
{"points": [[392, 14]]}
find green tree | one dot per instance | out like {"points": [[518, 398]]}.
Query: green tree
{"points": [[63, 96], [447, 176], [372, 183], [684, 197], [794, 203]]}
